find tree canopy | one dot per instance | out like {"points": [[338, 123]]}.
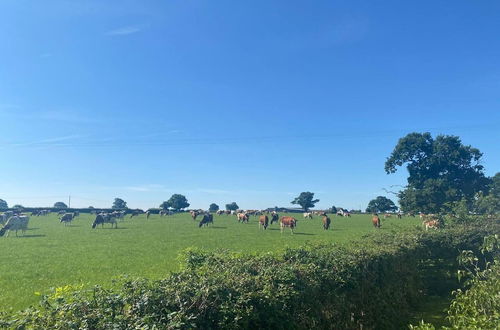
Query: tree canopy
{"points": [[305, 200], [213, 207], [232, 206], [333, 209], [3, 204], [18, 206], [119, 204], [381, 204], [176, 202], [60, 205], [441, 171]]}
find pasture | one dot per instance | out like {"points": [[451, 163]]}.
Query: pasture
{"points": [[54, 255]]}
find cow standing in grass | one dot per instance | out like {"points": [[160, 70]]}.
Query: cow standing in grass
{"points": [[326, 222], [102, 218], [376, 221], [274, 217], [433, 224], [16, 222], [67, 218], [206, 220], [263, 221], [194, 214], [289, 222], [242, 217], [308, 215]]}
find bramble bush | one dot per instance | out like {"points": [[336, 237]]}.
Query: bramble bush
{"points": [[374, 283]]}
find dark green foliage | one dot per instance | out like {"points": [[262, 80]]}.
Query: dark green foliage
{"points": [[381, 204], [3, 204], [441, 170], [213, 207], [119, 204], [333, 209], [60, 205], [375, 284], [232, 206], [176, 202], [18, 206], [305, 200]]}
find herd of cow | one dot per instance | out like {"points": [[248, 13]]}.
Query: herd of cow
{"points": [[11, 221]]}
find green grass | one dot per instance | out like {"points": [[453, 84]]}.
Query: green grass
{"points": [[52, 255]]}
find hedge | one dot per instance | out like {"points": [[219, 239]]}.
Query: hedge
{"points": [[374, 284]]}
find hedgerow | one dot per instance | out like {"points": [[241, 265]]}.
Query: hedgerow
{"points": [[373, 284]]}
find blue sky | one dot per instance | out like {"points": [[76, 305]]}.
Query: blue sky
{"points": [[226, 101]]}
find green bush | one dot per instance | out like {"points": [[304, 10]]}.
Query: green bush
{"points": [[375, 284]]}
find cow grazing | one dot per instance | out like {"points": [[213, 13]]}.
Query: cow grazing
{"points": [[194, 214], [376, 221], [308, 215], [102, 218], [433, 224], [243, 217], [326, 222], [148, 214], [400, 216], [206, 220], [220, 212], [263, 221], [67, 218], [16, 222], [387, 215], [289, 222], [274, 217]]}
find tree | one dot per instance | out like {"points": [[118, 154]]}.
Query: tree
{"points": [[176, 202], [213, 207], [441, 171], [489, 203], [232, 206], [381, 204], [60, 205], [305, 200], [3, 204], [18, 206], [333, 209], [119, 204]]}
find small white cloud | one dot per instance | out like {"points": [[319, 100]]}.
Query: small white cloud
{"points": [[123, 31]]}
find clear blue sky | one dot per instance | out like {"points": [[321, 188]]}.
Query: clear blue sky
{"points": [[226, 101]]}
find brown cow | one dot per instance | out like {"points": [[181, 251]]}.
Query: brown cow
{"points": [[326, 222], [431, 224], [376, 221], [194, 214], [242, 217], [290, 222], [263, 221]]}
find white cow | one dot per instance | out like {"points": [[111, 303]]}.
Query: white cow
{"points": [[17, 222]]}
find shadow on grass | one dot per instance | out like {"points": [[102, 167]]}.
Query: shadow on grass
{"points": [[305, 234], [31, 236], [218, 227]]}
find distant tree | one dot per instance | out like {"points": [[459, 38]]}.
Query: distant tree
{"points": [[176, 202], [18, 206], [333, 209], [60, 205], [441, 171], [213, 207], [232, 206], [306, 200], [119, 204], [381, 204], [90, 207], [3, 204]]}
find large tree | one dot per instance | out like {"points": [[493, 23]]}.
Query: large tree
{"points": [[176, 202], [232, 206], [213, 207], [3, 204], [441, 171], [119, 204], [381, 204], [489, 202], [306, 200], [60, 205]]}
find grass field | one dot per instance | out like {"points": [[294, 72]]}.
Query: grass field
{"points": [[53, 255]]}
